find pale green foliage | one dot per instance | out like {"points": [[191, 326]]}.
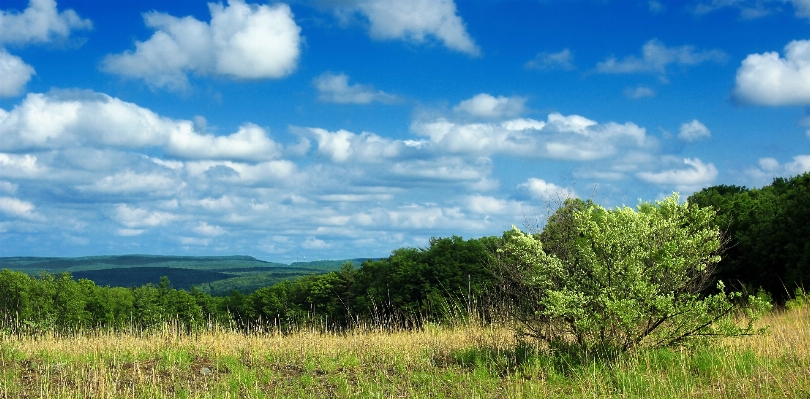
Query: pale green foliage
{"points": [[800, 299], [620, 278]]}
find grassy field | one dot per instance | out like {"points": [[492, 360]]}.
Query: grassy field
{"points": [[465, 361]]}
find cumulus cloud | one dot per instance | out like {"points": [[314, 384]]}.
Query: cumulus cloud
{"points": [[415, 21], [571, 137], [23, 166], [769, 168], [563, 60], [695, 176], [336, 88], [485, 205], [445, 168], [16, 208], [693, 131], [15, 72], [548, 192], [639, 92], [132, 217], [41, 22], [206, 229], [129, 182], [129, 232], [314, 243], [486, 106], [61, 120], [242, 41], [239, 173], [767, 79], [342, 146], [656, 57]]}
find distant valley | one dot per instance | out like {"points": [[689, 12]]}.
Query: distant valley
{"points": [[215, 275]]}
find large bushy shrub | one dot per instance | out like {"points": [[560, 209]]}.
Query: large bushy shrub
{"points": [[606, 281]]}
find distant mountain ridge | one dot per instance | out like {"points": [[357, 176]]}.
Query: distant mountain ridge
{"points": [[217, 275]]}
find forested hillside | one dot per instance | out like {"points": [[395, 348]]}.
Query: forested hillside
{"points": [[215, 275], [769, 233]]}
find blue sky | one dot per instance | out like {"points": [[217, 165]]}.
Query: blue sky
{"points": [[348, 128]]}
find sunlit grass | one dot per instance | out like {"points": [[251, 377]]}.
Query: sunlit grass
{"points": [[463, 361]]}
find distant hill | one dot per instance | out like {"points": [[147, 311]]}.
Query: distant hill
{"points": [[58, 265], [217, 275]]}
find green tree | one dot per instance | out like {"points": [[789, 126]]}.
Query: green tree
{"points": [[615, 280], [768, 230]]}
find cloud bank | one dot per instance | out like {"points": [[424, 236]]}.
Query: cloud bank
{"points": [[336, 88]]}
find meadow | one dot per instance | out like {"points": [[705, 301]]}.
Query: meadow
{"points": [[458, 360]]}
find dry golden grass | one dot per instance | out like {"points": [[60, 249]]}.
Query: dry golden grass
{"points": [[466, 361]]}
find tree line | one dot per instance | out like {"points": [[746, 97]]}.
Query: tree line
{"points": [[412, 285]]}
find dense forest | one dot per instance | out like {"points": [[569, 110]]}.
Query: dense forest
{"points": [[768, 231], [412, 284], [767, 246]]}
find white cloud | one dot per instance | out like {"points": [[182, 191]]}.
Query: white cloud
{"points": [[314, 243], [769, 168], [697, 175], [245, 174], [639, 92], [249, 142], [356, 197], [18, 209], [767, 79], [138, 217], [548, 192], [802, 8], [15, 72], [242, 41], [476, 138], [129, 232], [129, 182], [41, 22], [570, 137], [21, 166], [693, 131], [486, 106], [415, 20], [563, 60], [449, 169], [655, 57], [484, 204], [63, 120], [341, 146], [209, 230], [335, 88]]}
